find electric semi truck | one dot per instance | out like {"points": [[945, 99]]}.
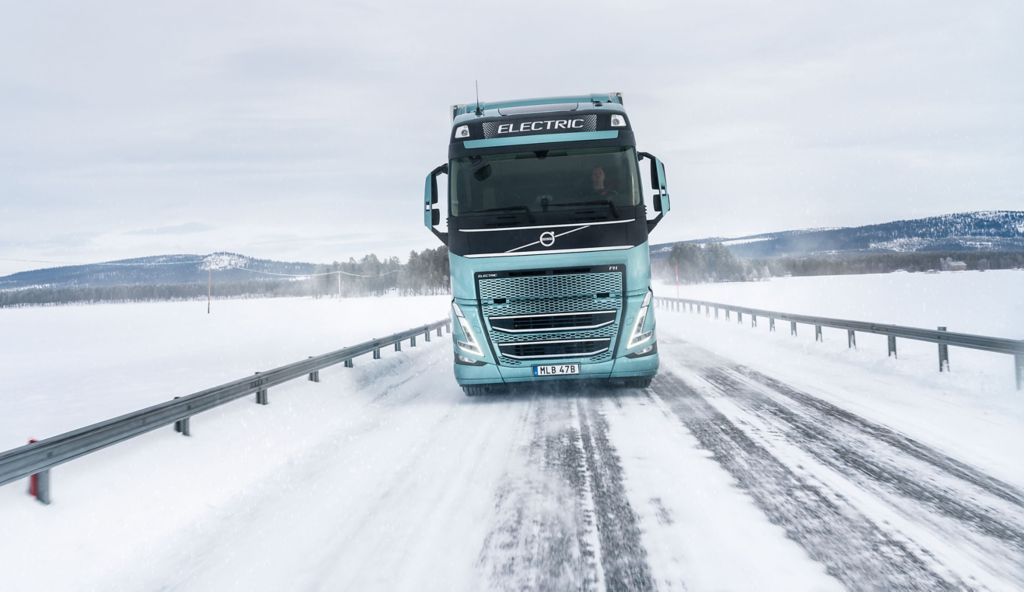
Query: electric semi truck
{"points": [[547, 237]]}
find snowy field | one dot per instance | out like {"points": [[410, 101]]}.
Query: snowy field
{"points": [[986, 303], [754, 461], [69, 366]]}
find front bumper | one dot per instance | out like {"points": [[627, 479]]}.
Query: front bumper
{"points": [[622, 367]]}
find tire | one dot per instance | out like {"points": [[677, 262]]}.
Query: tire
{"points": [[639, 383], [474, 390]]}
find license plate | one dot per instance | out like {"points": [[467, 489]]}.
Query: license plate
{"points": [[556, 370]]}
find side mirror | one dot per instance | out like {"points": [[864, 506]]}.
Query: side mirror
{"points": [[432, 215], [662, 203]]}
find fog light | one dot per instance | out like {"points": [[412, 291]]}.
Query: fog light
{"points": [[462, 131], [618, 121]]}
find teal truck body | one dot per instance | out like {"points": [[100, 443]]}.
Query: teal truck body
{"points": [[547, 238]]}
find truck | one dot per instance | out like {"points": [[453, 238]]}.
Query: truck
{"points": [[547, 227]]}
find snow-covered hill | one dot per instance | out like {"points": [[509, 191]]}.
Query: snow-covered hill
{"points": [[158, 270], [961, 232]]}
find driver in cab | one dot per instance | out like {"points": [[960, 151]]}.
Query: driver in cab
{"points": [[598, 186]]}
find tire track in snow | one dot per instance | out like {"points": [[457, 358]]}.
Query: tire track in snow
{"points": [[863, 458], [544, 535], [853, 548], [564, 518], [902, 443], [623, 557]]}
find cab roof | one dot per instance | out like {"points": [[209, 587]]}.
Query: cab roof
{"points": [[611, 102]]}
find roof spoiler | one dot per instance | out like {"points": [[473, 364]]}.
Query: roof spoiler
{"points": [[596, 99]]}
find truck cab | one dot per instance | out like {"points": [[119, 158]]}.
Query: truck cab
{"points": [[547, 226]]}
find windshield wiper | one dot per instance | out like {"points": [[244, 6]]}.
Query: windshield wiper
{"points": [[599, 202], [524, 209]]}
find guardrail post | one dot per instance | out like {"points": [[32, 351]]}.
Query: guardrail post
{"points": [[792, 327], [314, 376], [376, 353], [39, 483], [412, 341], [398, 345], [42, 482], [1018, 362], [739, 317], [753, 320], [851, 339], [771, 324], [817, 333], [892, 346], [707, 310], [426, 335], [943, 355], [439, 330], [261, 395], [716, 313], [727, 314], [182, 425], [349, 364], [448, 327]]}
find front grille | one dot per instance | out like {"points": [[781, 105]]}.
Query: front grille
{"points": [[558, 321], [568, 314], [551, 286], [536, 350]]}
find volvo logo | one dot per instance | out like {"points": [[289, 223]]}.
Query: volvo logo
{"points": [[547, 239]]}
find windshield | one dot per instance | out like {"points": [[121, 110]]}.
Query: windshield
{"points": [[546, 186]]}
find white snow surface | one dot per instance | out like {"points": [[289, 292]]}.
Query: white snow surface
{"points": [[982, 302], [69, 366], [386, 477], [220, 261]]}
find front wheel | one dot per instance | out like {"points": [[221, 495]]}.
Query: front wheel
{"points": [[474, 390], [639, 383], [477, 390]]}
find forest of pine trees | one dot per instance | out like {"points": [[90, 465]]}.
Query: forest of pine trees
{"points": [[691, 263]]}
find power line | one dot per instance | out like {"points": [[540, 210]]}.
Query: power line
{"points": [[147, 264], [309, 275]]}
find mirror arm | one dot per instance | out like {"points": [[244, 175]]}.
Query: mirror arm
{"points": [[443, 236], [654, 221]]}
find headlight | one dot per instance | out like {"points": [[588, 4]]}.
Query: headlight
{"points": [[470, 345], [636, 337]]}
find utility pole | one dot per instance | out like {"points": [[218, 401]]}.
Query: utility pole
{"points": [[209, 288], [339, 285]]}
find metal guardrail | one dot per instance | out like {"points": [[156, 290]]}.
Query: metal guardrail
{"points": [[943, 338], [36, 459]]}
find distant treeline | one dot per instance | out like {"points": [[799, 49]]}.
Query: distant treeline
{"points": [[693, 263], [426, 272]]}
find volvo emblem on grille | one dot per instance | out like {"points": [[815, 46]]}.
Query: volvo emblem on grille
{"points": [[547, 238]]}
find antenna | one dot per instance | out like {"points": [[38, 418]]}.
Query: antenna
{"points": [[479, 111]]}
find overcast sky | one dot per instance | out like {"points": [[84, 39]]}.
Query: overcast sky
{"points": [[303, 130]]}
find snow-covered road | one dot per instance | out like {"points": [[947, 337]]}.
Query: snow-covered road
{"points": [[719, 476]]}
